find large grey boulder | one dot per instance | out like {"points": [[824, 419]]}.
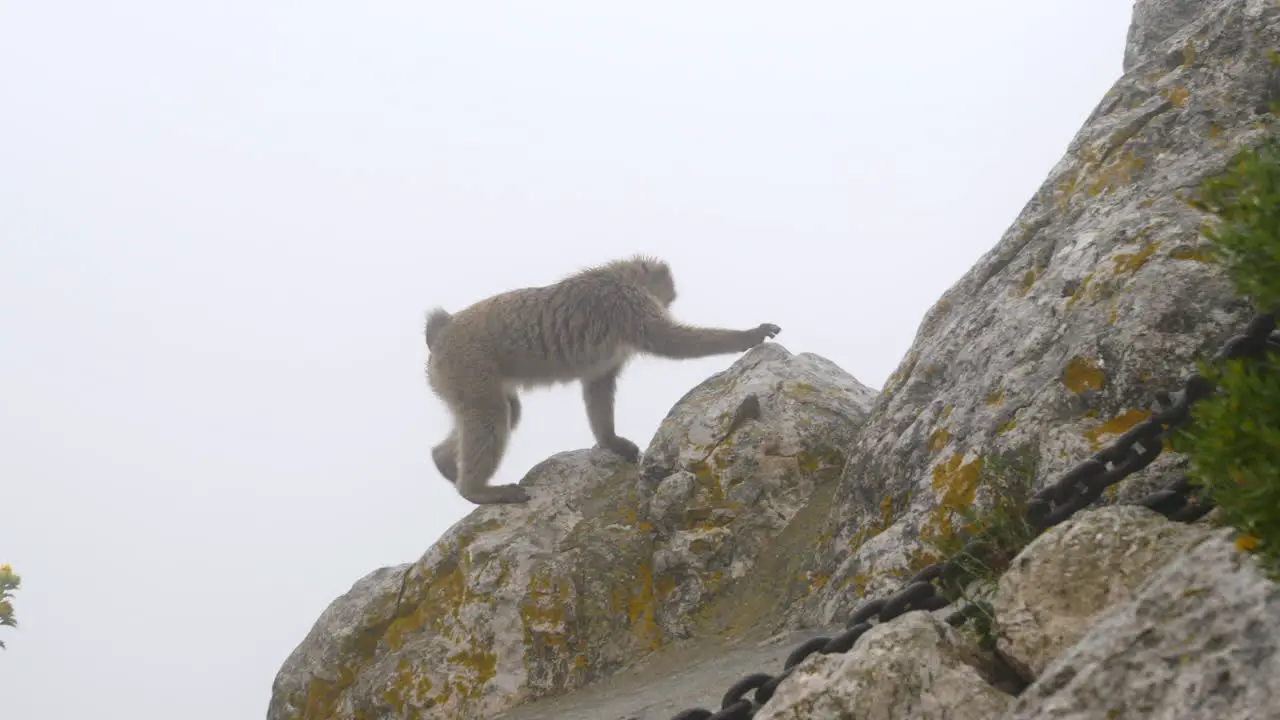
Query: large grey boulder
{"points": [[914, 667], [1097, 296], [1075, 573], [736, 478], [1200, 641]]}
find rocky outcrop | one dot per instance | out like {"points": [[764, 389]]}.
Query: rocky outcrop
{"points": [[1096, 297], [914, 667], [1117, 612], [598, 569], [735, 480], [1074, 574], [486, 612], [1200, 640]]}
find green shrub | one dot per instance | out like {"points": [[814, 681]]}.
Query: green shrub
{"points": [[1234, 449], [1233, 441], [1246, 240], [9, 581]]}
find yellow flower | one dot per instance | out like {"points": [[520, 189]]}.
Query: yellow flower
{"points": [[1246, 542]]}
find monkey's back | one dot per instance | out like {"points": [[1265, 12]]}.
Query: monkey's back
{"points": [[579, 327]]}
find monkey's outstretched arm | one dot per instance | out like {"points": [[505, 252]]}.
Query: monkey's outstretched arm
{"points": [[670, 339], [597, 395]]}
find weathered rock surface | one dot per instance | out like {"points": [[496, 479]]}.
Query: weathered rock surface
{"points": [[1117, 587], [736, 478], [1097, 296], [481, 617], [677, 677], [598, 569], [317, 665], [913, 667], [1200, 640], [1066, 579]]}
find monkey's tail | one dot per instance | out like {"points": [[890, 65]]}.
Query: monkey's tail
{"points": [[437, 320]]}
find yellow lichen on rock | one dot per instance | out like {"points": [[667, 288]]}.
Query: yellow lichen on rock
{"points": [[1202, 253], [635, 600], [1028, 280], [1176, 96], [1129, 263], [1080, 291], [1116, 172], [1083, 374], [939, 440], [956, 483], [1117, 425]]}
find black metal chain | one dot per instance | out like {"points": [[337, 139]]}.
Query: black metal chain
{"points": [[1072, 491]]}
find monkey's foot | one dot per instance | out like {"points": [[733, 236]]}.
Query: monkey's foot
{"points": [[623, 447], [498, 495]]}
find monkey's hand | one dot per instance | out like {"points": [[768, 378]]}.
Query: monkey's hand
{"points": [[762, 333], [623, 447]]}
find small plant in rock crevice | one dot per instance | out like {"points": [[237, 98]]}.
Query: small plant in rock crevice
{"points": [[1002, 530]]}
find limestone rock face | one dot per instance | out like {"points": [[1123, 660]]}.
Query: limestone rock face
{"points": [[317, 666], [913, 667], [1097, 296], [1066, 579], [1154, 21], [486, 613], [517, 602], [1200, 640], [736, 477]]}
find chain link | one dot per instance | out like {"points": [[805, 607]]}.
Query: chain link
{"points": [[1072, 491]]}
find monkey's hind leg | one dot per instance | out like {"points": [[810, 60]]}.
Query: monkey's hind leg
{"points": [[483, 429], [513, 419], [445, 455]]}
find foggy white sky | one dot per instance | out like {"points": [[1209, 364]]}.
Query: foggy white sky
{"points": [[221, 223]]}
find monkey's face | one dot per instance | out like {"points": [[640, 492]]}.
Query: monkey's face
{"points": [[650, 273], [659, 281]]}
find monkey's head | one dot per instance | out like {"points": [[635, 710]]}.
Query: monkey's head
{"points": [[651, 273]]}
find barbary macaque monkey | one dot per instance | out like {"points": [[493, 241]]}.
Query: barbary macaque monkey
{"points": [[585, 328]]}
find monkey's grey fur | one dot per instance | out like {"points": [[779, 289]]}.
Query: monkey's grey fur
{"points": [[585, 328]]}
